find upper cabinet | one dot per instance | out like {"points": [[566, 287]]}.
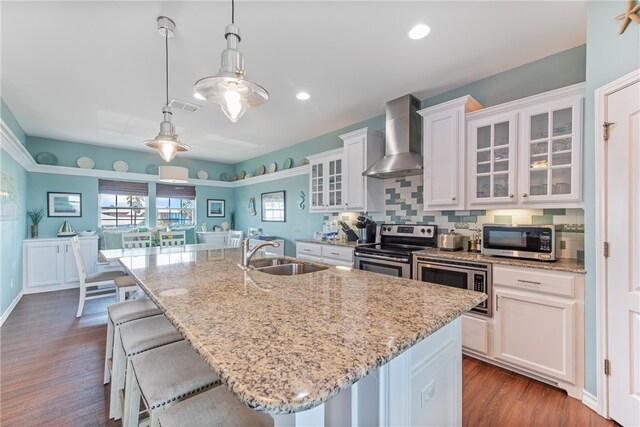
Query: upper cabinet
{"points": [[527, 153], [336, 183], [362, 148], [444, 153], [326, 181], [492, 147]]}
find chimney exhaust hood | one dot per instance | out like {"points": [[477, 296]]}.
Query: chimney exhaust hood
{"points": [[403, 141]]}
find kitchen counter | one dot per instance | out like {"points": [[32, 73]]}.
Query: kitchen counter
{"points": [[284, 344], [562, 264], [336, 242]]}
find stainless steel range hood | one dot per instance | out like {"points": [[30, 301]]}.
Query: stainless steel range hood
{"points": [[403, 141]]}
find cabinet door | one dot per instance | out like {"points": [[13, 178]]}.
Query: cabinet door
{"points": [[334, 183], [551, 152], [354, 160], [44, 265], [70, 268], [317, 186], [536, 332], [492, 160], [442, 142]]}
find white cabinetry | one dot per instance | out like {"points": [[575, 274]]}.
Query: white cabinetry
{"points": [[326, 181], [527, 153], [329, 254], [444, 153], [362, 148], [537, 328], [213, 237], [49, 265]]}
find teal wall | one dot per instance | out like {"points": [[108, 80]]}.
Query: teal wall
{"points": [[609, 56], [12, 231], [11, 121], [68, 153], [299, 223], [549, 73], [41, 183]]}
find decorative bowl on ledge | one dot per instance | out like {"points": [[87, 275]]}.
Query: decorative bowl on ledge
{"points": [[87, 233]]}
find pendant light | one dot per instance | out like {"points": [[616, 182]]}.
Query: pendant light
{"points": [[166, 142], [230, 88]]}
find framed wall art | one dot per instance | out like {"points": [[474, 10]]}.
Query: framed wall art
{"points": [[64, 204]]}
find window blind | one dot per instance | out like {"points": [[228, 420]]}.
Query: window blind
{"points": [[176, 191], [106, 186]]}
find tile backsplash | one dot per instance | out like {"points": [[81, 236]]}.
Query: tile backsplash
{"points": [[404, 204]]}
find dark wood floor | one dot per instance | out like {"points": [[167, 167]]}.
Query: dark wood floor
{"points": [[51, 367]]}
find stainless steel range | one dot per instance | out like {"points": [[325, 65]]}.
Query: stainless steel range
{"points": [[394, 254]]}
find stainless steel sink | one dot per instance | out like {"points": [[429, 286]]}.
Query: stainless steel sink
{"points": [[291, 269], [268, 262]]}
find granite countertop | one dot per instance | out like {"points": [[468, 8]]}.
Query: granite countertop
{"points": [[562, 264], [336, 242], [284, 344]]}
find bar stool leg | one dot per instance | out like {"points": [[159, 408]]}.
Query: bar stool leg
{"points": [[108, 353], [117, 382], [132, 398]]}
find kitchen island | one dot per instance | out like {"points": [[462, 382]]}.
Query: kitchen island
{"points": [[333, 347]]}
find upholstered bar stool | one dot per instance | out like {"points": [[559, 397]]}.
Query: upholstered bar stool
{"points": [[119, 313], [214, 408], [162, 377], [136, 337], [126, 286]]}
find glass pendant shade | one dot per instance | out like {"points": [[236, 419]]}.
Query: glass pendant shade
{"points": [[230, 88], [167, 142]]}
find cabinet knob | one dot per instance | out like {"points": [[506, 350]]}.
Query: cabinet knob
{"points": [[453, 198], [524, 194], [511, 196]]}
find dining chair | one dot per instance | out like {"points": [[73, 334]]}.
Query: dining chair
{"points": [[172, 238], [235, 239], [214, 408], [92, 286], [136, 240]]}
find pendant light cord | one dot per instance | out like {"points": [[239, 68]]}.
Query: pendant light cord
{"points": [[166, 62], [233, 12]]}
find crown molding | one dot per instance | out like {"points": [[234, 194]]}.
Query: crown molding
{"points": [[10, 143]]}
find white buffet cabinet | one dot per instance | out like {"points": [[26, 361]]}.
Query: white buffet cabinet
{"points": [[537, 328], [49, 264], [327, 253]]}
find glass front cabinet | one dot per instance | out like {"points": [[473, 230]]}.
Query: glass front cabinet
{"points": [[551, 142], [492, 159], [326, 182], [528, 152]]}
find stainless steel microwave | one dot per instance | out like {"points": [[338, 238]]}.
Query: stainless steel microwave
{"points": [[520, 241]]}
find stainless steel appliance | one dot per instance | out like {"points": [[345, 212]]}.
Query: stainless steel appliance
{"points": [[520, 241], [394, 254], [450, 241], [472, 275]]}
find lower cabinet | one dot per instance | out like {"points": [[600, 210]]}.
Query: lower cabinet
{"points": [[49, 264], [537, 328], [329, 254]]}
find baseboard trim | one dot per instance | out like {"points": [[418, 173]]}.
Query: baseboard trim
{"points": [[590, 400], [13, 305]]}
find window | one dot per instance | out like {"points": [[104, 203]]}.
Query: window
{"points": [[122, 203], [175, 205]]}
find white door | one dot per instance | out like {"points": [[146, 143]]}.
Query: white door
{"points": [[44, 264], [354, 160], [622, 210], [70, 267]]}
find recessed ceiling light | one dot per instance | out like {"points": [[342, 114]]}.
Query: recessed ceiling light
{"points": [[198, 96], [418, 32], [303, 96]]}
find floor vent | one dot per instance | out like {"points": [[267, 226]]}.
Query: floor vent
{"points": [[177, 104]]}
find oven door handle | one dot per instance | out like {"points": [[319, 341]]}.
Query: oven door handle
{"points": [[448, 267], [384, 258]]}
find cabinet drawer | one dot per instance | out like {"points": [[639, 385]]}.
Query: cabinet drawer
{"points": [[554, 283], [337, 252], [308, 249], [474, 334]]}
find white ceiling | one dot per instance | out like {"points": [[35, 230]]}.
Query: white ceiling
{"points": [[92, 72]]}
